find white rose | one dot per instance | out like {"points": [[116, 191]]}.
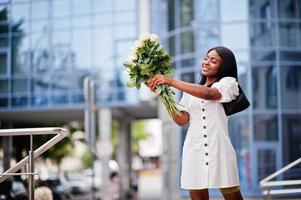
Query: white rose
{"points": [[134, 57], [144, 36], [134, 50], [154, 38], [141, 43]]}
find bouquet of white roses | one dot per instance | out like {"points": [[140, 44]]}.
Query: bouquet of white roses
{"points": [[149, 58]]}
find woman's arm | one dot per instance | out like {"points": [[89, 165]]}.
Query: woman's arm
{"points": [[196, 90], [182, 119]]}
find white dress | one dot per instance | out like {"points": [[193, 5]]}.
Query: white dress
{"points": [[209, 159]]}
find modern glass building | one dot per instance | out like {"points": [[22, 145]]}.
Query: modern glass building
{"points": [[47, 47], [265, 36]]}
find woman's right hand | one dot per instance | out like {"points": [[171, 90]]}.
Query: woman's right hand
{"points": [[151, 85], [181, 119]]}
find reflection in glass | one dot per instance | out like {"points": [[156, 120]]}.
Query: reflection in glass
{"points": [[81, 22], [208, 36], [82, 48], [239, 40], [129, 5], [61, 24], [39, 100], [125, 17], [81, 7], [243, 77], [262, 37], [3, 86], [20, 85], [209, 11], [126, 30], [289, 34], [187, 42], [59, 99], [264, 81], [20, 13], [4, 27], [291, 144], [40, 84], [40, 9], [186, 12], [3, 101], [266, 162], [77, 96], [103, 19], [61, 8], [41, 61], [172, 45], [289, 55], [61, 82], [62, 57], [102, 6], [188, 77], [3, 63], [19, 101], [290, 77], [239, 134], [19, 56], [233, 11], [289, 9], [171, 15], [187, 62], [265, 127], [263, 55]]}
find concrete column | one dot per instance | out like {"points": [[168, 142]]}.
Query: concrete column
{"points": [[170, 160], [144, 16], [7, 151], [104, 147], [124, 158], [7, 144]]}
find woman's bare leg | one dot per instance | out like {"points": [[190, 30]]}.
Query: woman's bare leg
{"points": [[199, 194], [235, 195]]}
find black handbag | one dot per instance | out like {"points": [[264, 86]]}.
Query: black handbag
{"points": [[239, 104]]}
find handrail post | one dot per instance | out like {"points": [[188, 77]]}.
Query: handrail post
{"points": [[31, 170], [269, 196]]}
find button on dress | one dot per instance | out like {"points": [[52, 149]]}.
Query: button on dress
{"points": [[209, 159]]}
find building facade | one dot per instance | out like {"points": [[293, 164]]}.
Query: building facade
{"points": [[265, 38], [47, 47]]}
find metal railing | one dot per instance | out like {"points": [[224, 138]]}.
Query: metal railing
{"points": [[266, 184], [60, 134]]}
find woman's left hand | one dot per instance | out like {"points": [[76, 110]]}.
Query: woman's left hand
{"points": [[157, 80]]}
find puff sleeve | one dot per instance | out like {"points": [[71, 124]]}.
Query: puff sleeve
{"points": [[228, 87], [183, 105]]}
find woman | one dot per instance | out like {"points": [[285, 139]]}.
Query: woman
{"points": [[209, 159]]}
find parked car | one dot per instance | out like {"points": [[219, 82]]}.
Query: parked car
{"points": [[79, 183]]}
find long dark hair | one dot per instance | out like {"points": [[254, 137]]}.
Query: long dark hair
{"points": [[228, 66]]}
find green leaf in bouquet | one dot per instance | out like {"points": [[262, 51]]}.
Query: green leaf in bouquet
{"points": [[142, 50], [139, 80], [146, 60], [134, 71], [155, 47], [131, 83], [128, 64], [145, 70], [160, 89]]}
